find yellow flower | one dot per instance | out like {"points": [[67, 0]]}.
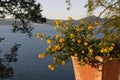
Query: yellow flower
{"points": [[111, 48], [49, 41], [106, 50], [58, 35], [91, 50], [76, 54], [113, 44], [90, 46], [41, 56], [51, 67], [90, 27], [53, 49], [61, 40], [85, 43], [73, 40], [77, 29], [96, 23], [79, 41], [82, 21], [102, 50], [63, 62], [56, 22], [37, 35], [49, 47], [57, 47], [72, 35], [110, 58], [83, 52]]}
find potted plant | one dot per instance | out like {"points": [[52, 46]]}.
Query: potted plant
{"points": [[87, 50]]}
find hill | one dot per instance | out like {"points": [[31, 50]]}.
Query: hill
{"points": [[6, 21], [51, 22], [90, 19]]}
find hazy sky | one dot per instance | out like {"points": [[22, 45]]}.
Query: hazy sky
{"points": [[56, 9]]}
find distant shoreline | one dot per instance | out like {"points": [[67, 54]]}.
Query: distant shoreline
{"points": [[32, 25], [10, 21]]}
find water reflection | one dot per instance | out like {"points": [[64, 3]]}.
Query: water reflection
{"points": [[6, 71], [28, 66], [25, 28]]}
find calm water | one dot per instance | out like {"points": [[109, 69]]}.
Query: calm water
{"points": [[28, 66]]}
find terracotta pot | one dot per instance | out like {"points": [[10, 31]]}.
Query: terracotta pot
{"points": [[109, 70]]}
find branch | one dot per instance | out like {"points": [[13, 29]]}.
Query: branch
{"points": [[109, 22], [106, 8]]}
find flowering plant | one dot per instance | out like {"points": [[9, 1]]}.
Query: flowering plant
{"points": [[79, 41]]}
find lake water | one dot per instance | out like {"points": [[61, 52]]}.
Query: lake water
{"points": [[28, 66]]}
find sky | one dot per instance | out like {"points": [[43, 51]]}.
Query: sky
{"points": [[56, 9]]}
